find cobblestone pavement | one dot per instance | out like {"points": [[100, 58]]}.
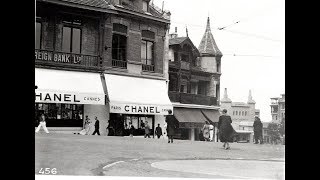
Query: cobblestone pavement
{"points": [[125, 156]]}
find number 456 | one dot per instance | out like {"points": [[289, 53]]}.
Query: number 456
{"points": [[48, 171]]}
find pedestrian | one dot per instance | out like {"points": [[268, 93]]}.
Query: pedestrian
{"points": [[42, 123], [257, 129], [158, 131], [131, 129], [87, 125], [211, 131], [142, 125], [225, 128], [170, 126], [205, 130], [96, 127], [146, 130]]}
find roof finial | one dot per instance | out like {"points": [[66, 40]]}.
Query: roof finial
{"points": [[250, 100], [187, 31]]}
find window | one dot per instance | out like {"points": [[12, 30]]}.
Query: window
{"points": [[184, 57], [176, 56], [71, 36], [147, 50], [38, 35], [233, 113], [119, 47], [246, 113], [236, 113], [145, 6], [218, 66]]}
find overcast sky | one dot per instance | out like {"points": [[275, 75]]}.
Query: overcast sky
{"points": [[253, 49]]}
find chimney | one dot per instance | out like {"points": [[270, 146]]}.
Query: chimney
{"points": [[175, 34]]}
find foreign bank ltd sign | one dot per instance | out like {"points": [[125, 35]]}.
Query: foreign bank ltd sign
{"points": [[123, 108], [42, 96]]}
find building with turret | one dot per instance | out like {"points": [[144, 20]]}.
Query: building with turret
{"points": [[242, 115], [194, 83]]}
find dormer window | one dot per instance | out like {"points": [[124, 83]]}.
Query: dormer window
{"points": [[145, 6]]}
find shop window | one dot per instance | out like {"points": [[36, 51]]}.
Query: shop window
{"points": [[38, 35], [61, 115], [71, 36]]}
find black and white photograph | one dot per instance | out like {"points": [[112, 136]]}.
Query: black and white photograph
{"points": [[159, 89]]}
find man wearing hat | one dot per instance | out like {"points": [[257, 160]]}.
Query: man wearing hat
{"points": [[257, 129]]}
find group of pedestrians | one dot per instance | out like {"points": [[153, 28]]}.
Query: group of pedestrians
{"points": [[226, 132], [85, 131]]}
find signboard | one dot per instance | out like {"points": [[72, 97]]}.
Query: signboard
{"points": [[42, 96], [63, 57], [139, 109]]}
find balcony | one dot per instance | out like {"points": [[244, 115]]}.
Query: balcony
{"points": [[187, 98], [56, 58], [148, 68], [119, 64]]}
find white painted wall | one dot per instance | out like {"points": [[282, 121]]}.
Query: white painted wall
{"points": [[102, 113]]}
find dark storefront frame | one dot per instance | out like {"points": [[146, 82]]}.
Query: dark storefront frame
{"points": [[60, 115]]}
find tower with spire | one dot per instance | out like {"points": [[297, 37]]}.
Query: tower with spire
{"points": [[210, 60]]}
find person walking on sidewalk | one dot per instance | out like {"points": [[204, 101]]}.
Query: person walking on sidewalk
{"points": [[211, 131], [131, 129], [170, 126], [146, 130], [96, 127], [257, 129], [42, 123], [158, 131], [225, 128], [205, 130]]}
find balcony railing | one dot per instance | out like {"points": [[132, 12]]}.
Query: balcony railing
{"points": [[56, 57], [146, 67], [119, 64], [187, 98]]}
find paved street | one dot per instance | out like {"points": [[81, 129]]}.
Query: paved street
{"points": [[125, 156]]}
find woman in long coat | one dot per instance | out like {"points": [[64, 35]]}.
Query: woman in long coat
{"points": [[226, 130], [170, 126], [205, 131]]}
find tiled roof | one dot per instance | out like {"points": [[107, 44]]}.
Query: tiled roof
{"points": [[153, 10], [93, 3], [208, 44], [177, 40]]}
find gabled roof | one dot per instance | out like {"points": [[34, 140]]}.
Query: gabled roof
{"points": [[208, 45], [177, 40], [183, 40]]}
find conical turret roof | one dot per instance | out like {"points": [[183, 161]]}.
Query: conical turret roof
{"points": [[208, 45]]}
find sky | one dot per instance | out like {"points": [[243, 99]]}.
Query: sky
{"points": [[253, 49]]}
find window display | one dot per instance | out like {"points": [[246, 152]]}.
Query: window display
{"points": [[61, 115]]}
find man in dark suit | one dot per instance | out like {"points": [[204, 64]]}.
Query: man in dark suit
{"points": [[96, 127]]}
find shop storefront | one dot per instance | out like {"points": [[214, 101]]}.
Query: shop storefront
{"points": [[136, 100], [66, 97], [192, 119]]}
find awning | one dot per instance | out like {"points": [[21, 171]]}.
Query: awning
{"points": [[212, 115], [69, 87], [134, 95], [189, 117]]}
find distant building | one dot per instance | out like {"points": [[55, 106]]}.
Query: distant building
{"points": [[242, 115], [278, 109]]}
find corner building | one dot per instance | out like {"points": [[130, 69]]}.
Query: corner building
{"points": [[101, 58], [194, 86]]}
